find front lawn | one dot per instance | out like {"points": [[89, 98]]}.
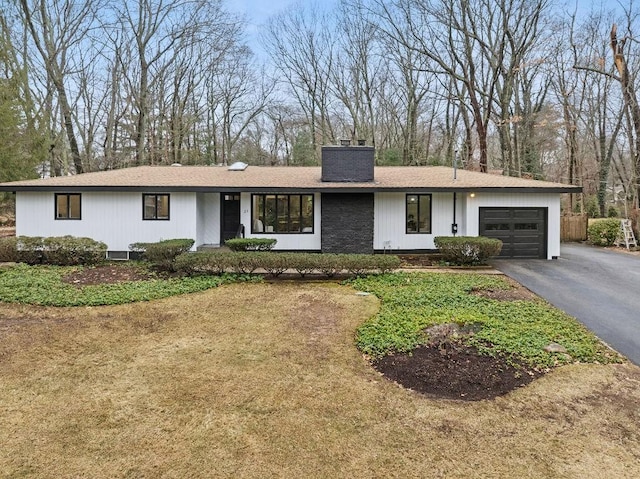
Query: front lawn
{"points": [[263, 380]]}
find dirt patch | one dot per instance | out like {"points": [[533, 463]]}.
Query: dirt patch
{"points": [[419, 260], [316, 322], [108, 274], [453, 370], [515, 292]]}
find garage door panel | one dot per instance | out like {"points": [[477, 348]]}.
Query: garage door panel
{"points": [[527, 214], [522, 231]]}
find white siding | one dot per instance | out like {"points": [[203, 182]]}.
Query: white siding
{"points": [[390, 227], [389, 230], [551, 201], [116, 219], [112, 217], [289, 242], [208, 219]]}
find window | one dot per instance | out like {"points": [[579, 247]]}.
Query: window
{"points": [[155, 207], [68, 206], [418, 214], [282, 214]]}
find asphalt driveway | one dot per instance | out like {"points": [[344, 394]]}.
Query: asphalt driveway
{"points": [[598, 287]]}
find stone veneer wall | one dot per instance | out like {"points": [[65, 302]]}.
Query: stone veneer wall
{"points": [[346, 164], [347, 223]]}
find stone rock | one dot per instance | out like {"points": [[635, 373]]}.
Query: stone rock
{"points": [[555, 348]]}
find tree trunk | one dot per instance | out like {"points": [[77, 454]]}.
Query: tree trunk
{"points": [[630, 99]]}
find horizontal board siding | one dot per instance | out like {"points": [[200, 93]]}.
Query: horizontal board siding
{"points": [[115, 219]]}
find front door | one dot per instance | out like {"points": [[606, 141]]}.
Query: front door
{"points": [[230, 215]]}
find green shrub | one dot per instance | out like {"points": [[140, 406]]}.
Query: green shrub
{"points": [[9, 249], [612, 212], [251, 244], [243, 262], [203, 262], [163, 253], [330, 264], [467, 250], [69, 251], [603, 232], [276, 263], [30, 249], [387, 262], [138, 247], [358, 264], [592, 207], [59, 250], [303, 263]]}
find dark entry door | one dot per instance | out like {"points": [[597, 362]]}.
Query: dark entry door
{"points": [[230, 216], [523, 231]]}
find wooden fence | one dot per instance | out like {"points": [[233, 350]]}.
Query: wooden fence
{"points": [[573, 227]]}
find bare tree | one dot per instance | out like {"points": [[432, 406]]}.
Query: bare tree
{"points": [[55, 27], [356, 78], [241, 97], [300, 44], [630, 98], [158, 30]]}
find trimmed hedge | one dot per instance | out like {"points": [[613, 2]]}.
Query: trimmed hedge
{"points": [[55, 250], [9, 249], [603, 232], [251, 244], [218, 262], [68, 251], [467, 250], [163, 253]]}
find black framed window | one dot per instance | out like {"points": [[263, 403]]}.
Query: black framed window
{"points": [[155, 207], [68, 206], [281, 213], [418, 214]]}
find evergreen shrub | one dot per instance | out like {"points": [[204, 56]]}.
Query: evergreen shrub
{"points": [[467, 250]]}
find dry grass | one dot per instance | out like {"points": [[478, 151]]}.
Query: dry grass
{"points": [[263, 380]]}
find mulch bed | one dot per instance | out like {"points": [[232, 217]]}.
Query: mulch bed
{"points": [[109, 274], [454, 371]]}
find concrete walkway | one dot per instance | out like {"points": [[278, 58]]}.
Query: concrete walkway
{"points": [[600, 288]]}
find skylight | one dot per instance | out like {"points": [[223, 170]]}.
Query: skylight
{"points": [[238, 166]]}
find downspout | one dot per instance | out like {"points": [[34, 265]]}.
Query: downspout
{"points": [[454, 225]]}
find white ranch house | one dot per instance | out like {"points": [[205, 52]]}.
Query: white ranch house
{"points": [[347, 205]]}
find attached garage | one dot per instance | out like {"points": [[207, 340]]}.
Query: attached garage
{"points": [[523, 231]]}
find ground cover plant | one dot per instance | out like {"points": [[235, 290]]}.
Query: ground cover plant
{"points": [[516, 330], [263, 380], [66, 286]]}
